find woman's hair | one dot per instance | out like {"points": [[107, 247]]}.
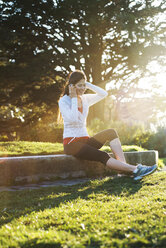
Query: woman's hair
{"points": [[73, 78]]}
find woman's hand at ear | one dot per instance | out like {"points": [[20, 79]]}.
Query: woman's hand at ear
{"points": [[72, 91]]}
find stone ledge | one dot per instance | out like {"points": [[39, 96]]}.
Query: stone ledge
{"points": [[29, 169]]}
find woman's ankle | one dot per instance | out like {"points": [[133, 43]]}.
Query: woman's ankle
{"points": [[120, 166]]}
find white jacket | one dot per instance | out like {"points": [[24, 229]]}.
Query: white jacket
{"points": [[74, 120]]}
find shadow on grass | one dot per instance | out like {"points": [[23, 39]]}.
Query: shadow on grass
{"points": [[24, 202], [53, 244], [33, 244]]}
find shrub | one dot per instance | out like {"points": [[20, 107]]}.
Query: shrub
{"points": [[125, 131], [157, 141], [142, 139], [44, 133], [134, 135], [96, 125], [153, 140]]}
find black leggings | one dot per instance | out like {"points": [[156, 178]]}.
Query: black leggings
{"points": [[88, 149]]}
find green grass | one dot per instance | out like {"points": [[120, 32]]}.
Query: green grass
{"points": [[20, 148], [112, 212], [125, 148], [162, 162]]}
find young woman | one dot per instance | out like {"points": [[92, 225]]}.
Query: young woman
{"points": [[74, 107]]}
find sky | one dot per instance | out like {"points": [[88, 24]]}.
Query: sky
{"points": [[148, 82], [159, 79]]}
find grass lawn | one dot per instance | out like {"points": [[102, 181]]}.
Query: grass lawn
{"points": [[111, 212], [162, 161], [20, 148], [25, 148]]}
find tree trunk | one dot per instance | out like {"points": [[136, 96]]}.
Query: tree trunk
{"points": [[96, 111]]}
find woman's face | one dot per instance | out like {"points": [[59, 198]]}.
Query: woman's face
{"points": [[80, 87]]}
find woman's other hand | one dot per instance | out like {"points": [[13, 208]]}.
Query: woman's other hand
{"points": [[72, 91]]}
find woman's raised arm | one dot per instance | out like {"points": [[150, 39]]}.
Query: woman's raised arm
{"points": [[94, 98]]}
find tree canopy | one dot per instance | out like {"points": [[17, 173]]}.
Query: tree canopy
{"points": [[42, 41]]}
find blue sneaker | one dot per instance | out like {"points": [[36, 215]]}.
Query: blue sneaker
{"points": [[143, 171]]}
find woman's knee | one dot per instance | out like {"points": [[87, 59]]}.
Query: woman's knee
{"points": [[112, 134]]}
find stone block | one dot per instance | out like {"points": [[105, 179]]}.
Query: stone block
{"points": [[32, 169]]}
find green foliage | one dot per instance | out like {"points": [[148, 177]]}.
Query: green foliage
{"points": [[111, 212], [30, 86], [161, 162], [153, 140], [95, 126], [134, 134], [125, 148], [157, 141], [130, 148], [142, 138], [41, 40], [126, 133], [42, 133]]}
